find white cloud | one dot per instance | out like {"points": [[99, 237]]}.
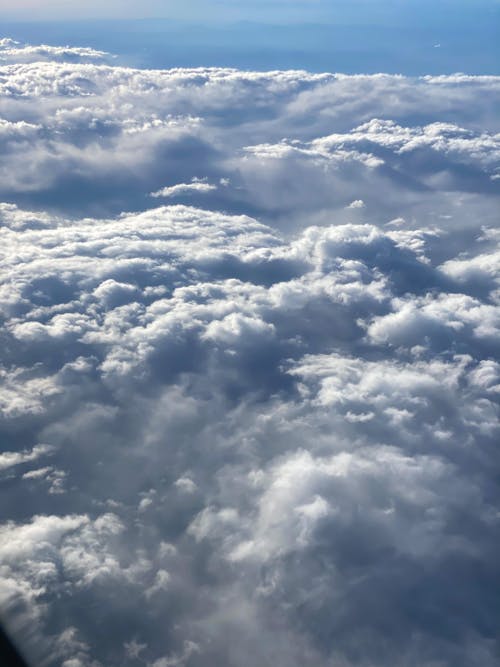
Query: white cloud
{"points": [[10, 459], [357, 203], [13, 51], [184, 188], [292, 418]]}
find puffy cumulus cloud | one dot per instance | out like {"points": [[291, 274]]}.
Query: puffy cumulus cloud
{"points": [[86, 136], [396, 168], [159, 334], [60, 554], [259, 425], [195, 186]]}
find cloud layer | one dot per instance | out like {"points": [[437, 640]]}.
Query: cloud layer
{"points": [[256, 425]]}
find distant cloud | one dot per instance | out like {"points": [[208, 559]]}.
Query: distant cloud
{"points": [[10, 459], [184, 188], [13, 51]]}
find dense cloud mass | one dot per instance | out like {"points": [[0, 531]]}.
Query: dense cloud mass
{"points": [[249, 398]]}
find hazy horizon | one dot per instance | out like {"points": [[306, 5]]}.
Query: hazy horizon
{"points": [[427, 42]]}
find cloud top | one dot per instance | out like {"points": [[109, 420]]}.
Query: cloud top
{"points": [[258, 424]]}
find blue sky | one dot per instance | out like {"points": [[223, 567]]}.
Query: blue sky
{"points": [[217, 10]]}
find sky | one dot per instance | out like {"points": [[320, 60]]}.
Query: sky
{"points": [[216, 10], [396, 36], [249, 372], [199, 9]]}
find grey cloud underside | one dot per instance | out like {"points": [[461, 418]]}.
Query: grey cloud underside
{"points": [[258, 425]]}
